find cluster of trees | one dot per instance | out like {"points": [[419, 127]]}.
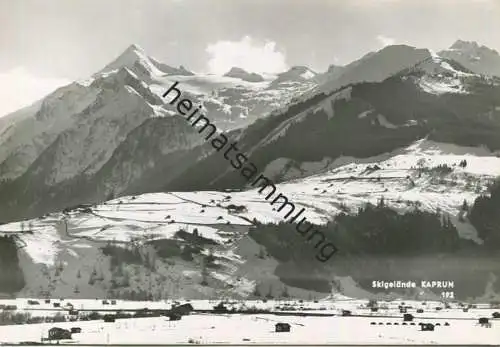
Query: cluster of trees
{"points": [[194, 238], [123, 254], [373, 230], [485, 216], [135, 295], [11, 275], [167, 248]]}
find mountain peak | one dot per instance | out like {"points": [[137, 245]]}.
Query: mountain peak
{"points": [[133, 58], [462, 45], [237, 69], [333, 68], [478, 58], [237, 72], [134, 48], [300, 71]]}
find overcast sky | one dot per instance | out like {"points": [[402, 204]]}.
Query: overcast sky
{"points": [[61, 40]]}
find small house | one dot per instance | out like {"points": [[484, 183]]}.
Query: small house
{"points": [[346, 313], [76, 330], [427, 327], [56, 304], [374, 309], [59, 334], [109, 318], [420, 310], [407, 317], [483, 320], [282, 327]]}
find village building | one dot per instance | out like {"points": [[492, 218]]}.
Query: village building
{"points": [[282, 327]]}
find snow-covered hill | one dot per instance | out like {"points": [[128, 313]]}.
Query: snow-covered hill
{"points": [[437, 75], [295, 75], [65, 254]]}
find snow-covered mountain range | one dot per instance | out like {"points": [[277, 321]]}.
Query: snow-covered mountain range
{"points": [[110, 192]]}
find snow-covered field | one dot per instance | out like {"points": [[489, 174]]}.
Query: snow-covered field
{"points": [[205, 328], [349, 182]]}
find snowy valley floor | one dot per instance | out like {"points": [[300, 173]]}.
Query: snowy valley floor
{"points": [[200, 328]]}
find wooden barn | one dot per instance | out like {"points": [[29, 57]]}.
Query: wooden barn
{"points": [[407, 317], [484, 322], [427, 327], [282, 327], [59, 334]]}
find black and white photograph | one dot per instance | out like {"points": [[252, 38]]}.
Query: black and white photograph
{"points": [[250, 172]]}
